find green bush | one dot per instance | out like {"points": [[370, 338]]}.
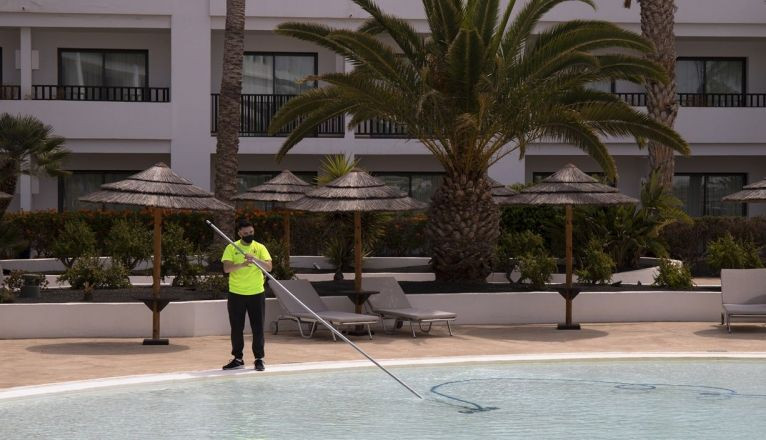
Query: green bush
{"points": [[76, 239], [88, 272], [216, 284], [537, 268], [672, 275], [727, 253], [179, 256], [280, 261], [596, 266], [129, 242]]}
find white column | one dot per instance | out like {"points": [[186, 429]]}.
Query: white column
{"points": [[25, 192], [190, 146], [25, 61], [509, 170], [350, 135]]}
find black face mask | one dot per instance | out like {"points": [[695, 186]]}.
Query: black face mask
{"points": [[247, 239]]}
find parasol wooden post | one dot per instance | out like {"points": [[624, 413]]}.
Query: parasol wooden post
{"points": [[358, 252], [286, 223], [156, 306], [568, 231], [568, 292]]}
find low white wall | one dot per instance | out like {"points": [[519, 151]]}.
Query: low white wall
{"points": [[204, 318]]}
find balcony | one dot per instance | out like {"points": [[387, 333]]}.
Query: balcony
{"points": [[754, 100], [10, 92], [380, 128], [100, 93], [256, 111]]}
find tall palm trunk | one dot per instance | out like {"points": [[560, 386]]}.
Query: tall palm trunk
{"points": [[657, 17], [227, 138], [9, 176], [463, 228]]}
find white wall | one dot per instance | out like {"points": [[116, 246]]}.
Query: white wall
{"points": [[203, 318]]}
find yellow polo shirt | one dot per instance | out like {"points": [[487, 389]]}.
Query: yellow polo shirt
{"points": [[249, 280]]}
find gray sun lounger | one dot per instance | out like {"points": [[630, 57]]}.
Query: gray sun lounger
{"points": [[392, 303], [305, 292], [743, 294]]}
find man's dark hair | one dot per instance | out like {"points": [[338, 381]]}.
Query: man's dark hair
{"points": [[244, 223]]}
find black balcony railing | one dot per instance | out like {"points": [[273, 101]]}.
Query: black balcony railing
{"points": [[381, 128], [10, 92], [257, 111], [101, 93], [704, 99]]}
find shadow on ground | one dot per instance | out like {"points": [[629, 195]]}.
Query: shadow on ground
{"points": [[738, 332], [105, 348], [538, 333]]}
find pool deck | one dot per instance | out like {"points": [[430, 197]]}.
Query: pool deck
{"points": [[41, 361]]}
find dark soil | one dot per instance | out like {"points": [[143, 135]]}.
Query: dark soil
{"points": [[324, 288]]}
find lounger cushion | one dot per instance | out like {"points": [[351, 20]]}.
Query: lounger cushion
{"points": [[339, 317], [745, 309], [414, 314]]}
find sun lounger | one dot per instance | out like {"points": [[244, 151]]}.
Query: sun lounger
{"points": [[743, 294], [392, 303], [305, 292]]}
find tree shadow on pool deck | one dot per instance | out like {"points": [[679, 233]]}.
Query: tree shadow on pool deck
{"points": [[534, 332], [106, 348], [739, 331]]}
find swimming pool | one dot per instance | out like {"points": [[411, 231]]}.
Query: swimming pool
{"points": [[581, 399]]}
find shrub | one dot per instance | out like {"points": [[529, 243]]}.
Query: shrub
{"points": [[280, 261], [128, 242], [178, 257], [727, 253], [75, 239], [672, 275], [90, 273], [216, 284], [596, 266], [10, 286], [536, 268]]}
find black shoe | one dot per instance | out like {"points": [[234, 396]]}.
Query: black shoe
{"points": [[259, 365], [235, 364]]}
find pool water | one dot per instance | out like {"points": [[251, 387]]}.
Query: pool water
{"points": [[625, 399]]}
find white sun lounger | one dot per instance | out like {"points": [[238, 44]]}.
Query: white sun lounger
{"points": [[392, 303], [305, 292], [743, 294]]}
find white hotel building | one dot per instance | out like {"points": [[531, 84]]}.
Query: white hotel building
{"points": [[132, 83]]}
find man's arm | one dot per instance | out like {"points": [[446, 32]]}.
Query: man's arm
{"points": [[230, 266]]}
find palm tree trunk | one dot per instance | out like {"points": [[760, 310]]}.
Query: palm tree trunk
{"points": [[227, 137], [463, 228], [657, 17], [9, 177]]}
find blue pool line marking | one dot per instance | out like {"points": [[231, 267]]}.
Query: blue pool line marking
{"points": [[468, 407]]}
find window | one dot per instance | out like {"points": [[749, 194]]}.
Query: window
{"points": [[277, 74], [249, 179], [110, 68], [96, 74], [710, 75], [419, 186], [701, 194], [81, 183]]}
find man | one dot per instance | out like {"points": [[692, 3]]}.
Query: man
{"points": [[246, 293]]}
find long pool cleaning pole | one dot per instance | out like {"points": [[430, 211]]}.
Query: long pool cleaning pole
{"points": [[325, 323]]}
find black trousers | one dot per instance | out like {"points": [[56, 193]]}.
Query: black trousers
{"points": [[255, 307]]}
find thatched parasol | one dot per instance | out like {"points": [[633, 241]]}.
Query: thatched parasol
{"points": [[500, 193], [569, 186], [157, 188], [355, 192], [5, 196], [755, 192], [283, 188]]}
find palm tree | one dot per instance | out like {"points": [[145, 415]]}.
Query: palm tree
{"points": [[657, 18], [478, 88], [227, 136], [27, 146]]}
